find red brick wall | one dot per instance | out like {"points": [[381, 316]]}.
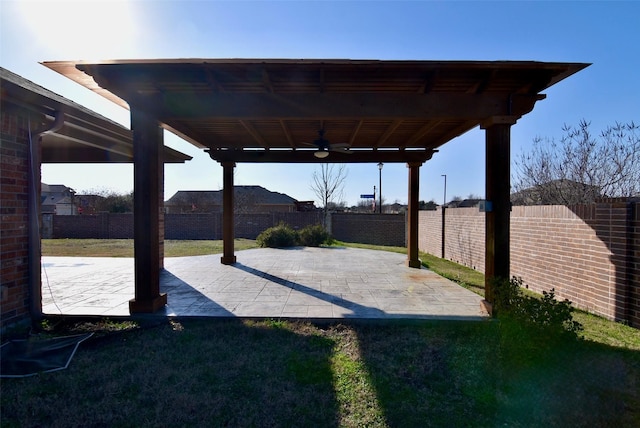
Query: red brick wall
{"points": [[430, 232], [556, 247], [588, 253], [464, 235], [375, 229], [634, 266], [14, 212]]}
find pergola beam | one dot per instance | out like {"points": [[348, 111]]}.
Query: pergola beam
{"points": [[307, 156], [339, 106]]}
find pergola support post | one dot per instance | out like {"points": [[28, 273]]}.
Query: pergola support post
{"points": [[228, 230], [498, 207], [412, 216], [148, 176]]}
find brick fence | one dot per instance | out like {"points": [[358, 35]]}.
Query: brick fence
{"points": [[378, 229], [375, 229], [588, 253], [177, 226]]}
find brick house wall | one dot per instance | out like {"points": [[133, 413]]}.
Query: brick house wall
{"points": [[14, 211]]}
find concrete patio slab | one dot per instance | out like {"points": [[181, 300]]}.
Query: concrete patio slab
{"points": [[301, 282]]}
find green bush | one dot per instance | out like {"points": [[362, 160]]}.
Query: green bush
{"points": [[314, 236], [546, 315], [278, 236], [283, 235]]}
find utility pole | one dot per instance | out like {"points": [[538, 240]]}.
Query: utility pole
{"points": [[444, 202]]}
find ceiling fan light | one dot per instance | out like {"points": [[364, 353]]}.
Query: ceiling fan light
{"points": [[321, 154]]}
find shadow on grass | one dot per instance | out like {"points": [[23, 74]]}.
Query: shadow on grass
{"points": [[191, 373], [280, 373], [471, 374]]}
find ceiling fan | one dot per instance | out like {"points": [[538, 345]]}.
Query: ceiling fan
{"points": [[324, 147]]}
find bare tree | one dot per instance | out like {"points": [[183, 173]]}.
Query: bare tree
{"points": [[108, 200], [328, 185], [580, 167]]}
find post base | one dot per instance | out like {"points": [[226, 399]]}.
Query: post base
{"points": [[416, 264], [147, 306], [228, 260], [487, 306]]}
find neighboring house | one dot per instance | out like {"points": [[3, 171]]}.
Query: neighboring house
{"points": [[557, 192], [57, 199], [428, 206], [395, 208], [305, 206], [247, 199], [465, 203]]}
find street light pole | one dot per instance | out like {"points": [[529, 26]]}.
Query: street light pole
{"points": [[380, 165], [445, 189]]}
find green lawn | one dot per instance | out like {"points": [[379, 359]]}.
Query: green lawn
{"points": [[348, 374], [124, 247], [285, 373]]}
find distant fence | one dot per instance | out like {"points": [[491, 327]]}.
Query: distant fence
{"points": [[377, 229], [177, 226], [590, 254]]}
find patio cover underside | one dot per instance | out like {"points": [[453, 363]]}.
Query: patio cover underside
{"points": [[266, 110]]}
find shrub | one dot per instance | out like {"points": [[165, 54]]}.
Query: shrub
{"points": [[546, 315], [314, 236], [278, 236]]}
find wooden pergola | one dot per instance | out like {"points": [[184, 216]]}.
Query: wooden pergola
{"points": [[62, 131], [268, 110]]}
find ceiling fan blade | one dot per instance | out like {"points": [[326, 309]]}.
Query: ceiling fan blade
{"points": [[341, 149]]}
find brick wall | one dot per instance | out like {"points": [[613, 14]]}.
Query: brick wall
{"points": [[634, 265], [464, 235], [176, 226], [14, 212], [588, 253], [430, 232], [99, 226], [376, 229]]}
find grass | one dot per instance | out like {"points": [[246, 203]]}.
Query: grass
{"points": [[285, 373], [289, 373], [124, 247]]}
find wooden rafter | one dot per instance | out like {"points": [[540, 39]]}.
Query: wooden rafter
{"points": [[287, 134], [388, 133], [254, 133]]}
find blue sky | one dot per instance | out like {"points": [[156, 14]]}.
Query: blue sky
{"points": [[606, 34]]}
